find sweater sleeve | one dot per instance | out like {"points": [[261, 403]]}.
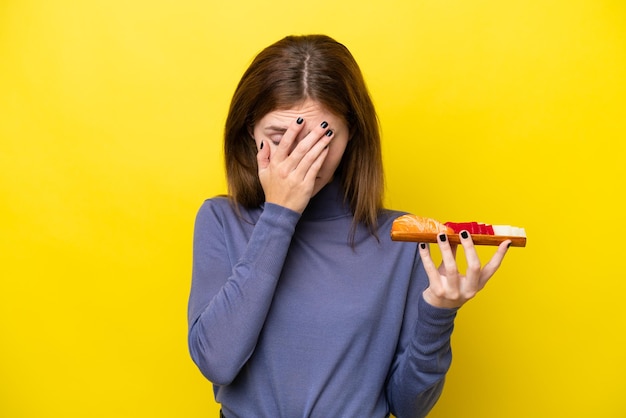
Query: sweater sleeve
{"points": [[424, 354], [228, 305]]}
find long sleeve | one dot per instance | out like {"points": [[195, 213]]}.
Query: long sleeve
{"points": [[424, 354], [284, 313], [232, 288]]}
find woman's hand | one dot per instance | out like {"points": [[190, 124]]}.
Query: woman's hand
{"points": [[448, 287], [288, 170]]}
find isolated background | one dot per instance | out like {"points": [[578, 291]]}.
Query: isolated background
{"points": [[111, 116]]}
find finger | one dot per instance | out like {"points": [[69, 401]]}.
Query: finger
{"points": [[319, 133], [448, 259], [289, 137], [494, 264], [472, 272], [308, 177], [309, 151], [429, 266], [263, 156], [311, 173]]}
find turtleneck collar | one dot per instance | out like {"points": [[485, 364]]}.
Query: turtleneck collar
{"points": [[328, 203]]}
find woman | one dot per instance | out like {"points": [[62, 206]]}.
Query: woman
{"points": [[301, 305]]}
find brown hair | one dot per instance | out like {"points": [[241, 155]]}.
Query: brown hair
{"points": [[285, 74]]}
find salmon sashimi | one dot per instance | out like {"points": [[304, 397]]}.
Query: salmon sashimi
{"points": [[415, 223]]}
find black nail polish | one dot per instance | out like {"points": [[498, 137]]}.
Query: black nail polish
{"points": [[261, 146], [443, 237], [423, 246], [464, 234], [329, 132], [324, 124], [299, 121]]}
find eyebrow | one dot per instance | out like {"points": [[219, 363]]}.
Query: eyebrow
{"points": [[276, 128]]}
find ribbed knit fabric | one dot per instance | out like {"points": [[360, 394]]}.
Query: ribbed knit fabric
{"points": [[288, 320]]}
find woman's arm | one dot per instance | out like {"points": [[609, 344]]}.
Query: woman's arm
{"points": [[230, 299], [423, 356]]}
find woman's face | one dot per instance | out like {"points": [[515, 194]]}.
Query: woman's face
{"points": [[273, 125]]}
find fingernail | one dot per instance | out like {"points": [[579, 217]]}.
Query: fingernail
{"points": [[443, 237], [464, 234], [324, 124], [299, 121], [329, 132], [509, 244], [422, 246], [261, 146]]}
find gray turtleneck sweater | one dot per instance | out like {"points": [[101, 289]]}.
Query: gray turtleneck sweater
{"points": [[287, 319]]}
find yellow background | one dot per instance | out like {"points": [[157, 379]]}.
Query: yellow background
{"points": [[111, 121]]}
